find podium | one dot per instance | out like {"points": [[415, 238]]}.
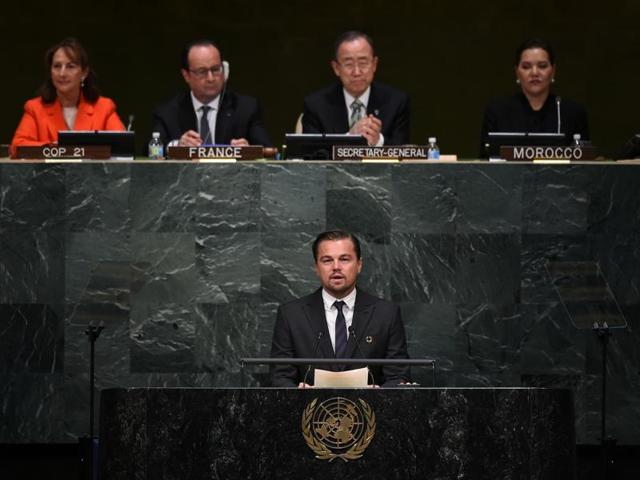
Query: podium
{"points": [[272, 433]]}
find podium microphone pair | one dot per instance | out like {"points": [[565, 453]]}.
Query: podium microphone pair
{"points": [[352, 333]]}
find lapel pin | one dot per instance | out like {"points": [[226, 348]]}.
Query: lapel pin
{"points": [[369, 339]]}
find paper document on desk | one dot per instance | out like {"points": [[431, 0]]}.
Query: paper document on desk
{"points": [[347, 379]]}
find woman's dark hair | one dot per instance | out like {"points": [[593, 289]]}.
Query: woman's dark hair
{"points": [[535, 43], [76, 52]]}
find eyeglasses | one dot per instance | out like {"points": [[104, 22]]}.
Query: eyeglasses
{"points": [[362, 65], [202, 72]]}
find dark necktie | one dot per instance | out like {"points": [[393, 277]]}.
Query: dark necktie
{"points": [[341, 331], [205, 133], [356, 112]]}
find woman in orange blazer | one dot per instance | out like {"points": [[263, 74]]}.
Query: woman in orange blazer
{"points": [[69, 99]]}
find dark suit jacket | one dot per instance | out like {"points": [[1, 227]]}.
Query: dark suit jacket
{"points": [[325, 111], [514, 114], [299, 323], [239, 116]]}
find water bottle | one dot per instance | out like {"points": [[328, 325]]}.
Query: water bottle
{"points": [[156, 149], [577, 142], [433, 153]]}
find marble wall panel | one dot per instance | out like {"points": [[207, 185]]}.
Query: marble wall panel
{"points": [[226, 333], [186, 264], [32, 266], [488, 268], [33, 197], [98, 268], [163, 268], [162, 338], [163, 199], [31, 407], [424, 202], [489, 200], [537, 251], [98, 197], [228, 199], [292, 198], [555, 199], [31, 338], [286, 266], [423, 268], [227, 267], [614, 204], [359, 200]]}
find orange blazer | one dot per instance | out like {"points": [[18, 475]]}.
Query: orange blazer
{"points": [[42, 121]]}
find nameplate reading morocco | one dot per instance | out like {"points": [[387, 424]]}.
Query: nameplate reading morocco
{"points": [[215, 152], [532, 153], [54, 152], [407, 152]]}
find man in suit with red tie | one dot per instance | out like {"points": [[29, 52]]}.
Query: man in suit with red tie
{"points": [[329, 322], [357, 103]]}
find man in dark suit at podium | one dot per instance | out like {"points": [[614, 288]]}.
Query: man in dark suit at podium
{"points": [[327, 323], [208, 113], [357, 104]]}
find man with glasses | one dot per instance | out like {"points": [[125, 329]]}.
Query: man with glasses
{"points": [[357, 104], [208, 113]]}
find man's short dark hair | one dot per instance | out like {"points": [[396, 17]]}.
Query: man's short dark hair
{"points": [[350, 36], [335, 235], [203, 42], [535, 43]]}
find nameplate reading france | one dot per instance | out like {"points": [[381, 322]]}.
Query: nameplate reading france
{"points": [[66, 152], [408, 152], [534, 153], [216, 152]]}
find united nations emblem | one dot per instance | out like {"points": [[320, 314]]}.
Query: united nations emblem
{"points": [[338, 428]]}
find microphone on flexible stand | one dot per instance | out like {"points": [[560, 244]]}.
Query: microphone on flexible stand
{"points": [[130, 124], [352, 332], [315, 352], [558, 112]]}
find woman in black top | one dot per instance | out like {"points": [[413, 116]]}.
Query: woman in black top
{"points": [[534, 108]]}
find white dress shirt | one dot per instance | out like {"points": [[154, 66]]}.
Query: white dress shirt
{"points": [[331, 312]]}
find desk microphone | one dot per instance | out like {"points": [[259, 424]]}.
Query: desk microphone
{"points": [[131, 118], [558, 112], [315, 352], [352, 332]]}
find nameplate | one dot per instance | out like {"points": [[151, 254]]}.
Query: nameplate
{"points": [[408, 152], [66, 152], [537, 153], [217, 152]]}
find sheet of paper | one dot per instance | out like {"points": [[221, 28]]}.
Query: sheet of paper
{"points": [[347, 379]]}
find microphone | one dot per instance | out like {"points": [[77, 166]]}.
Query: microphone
{"points": [[352, 332], [130, 124], [558, 112], [315, 352]]}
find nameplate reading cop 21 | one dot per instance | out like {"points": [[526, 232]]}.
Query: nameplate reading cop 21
{"points": [[66, 152], [221, 153]]}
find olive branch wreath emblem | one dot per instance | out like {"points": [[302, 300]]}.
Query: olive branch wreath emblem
{"points": [[322, 451]]}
